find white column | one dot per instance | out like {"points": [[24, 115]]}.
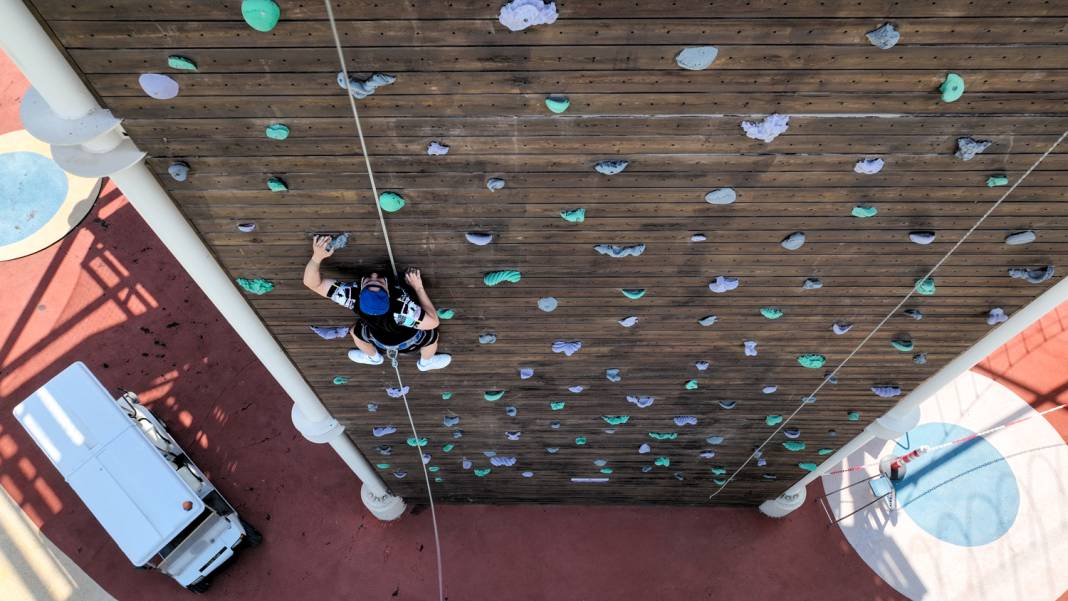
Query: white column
{"points": [[89, 142], [905, 414]]}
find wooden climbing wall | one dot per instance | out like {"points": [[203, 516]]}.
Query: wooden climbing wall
{"points": [[466, 81]]}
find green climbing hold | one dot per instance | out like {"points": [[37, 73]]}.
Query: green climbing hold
{"points": [[574, 215], [448, 448], [580, 440], [718, 471], [261, 15], [413, 442], [718, 481], [997, 180], [616, 420], [808, 467], [382, 466], [662, 461], [339, 380], [952, 88], [690, 385], [773, 420], [181, 63], [794, 445], [277, 184], [557, 405], [391, 202], [925, 287], [902, 344], [446, 313], [439, 479], [433, 469], [557, 104], [853, 416], [606, 470], [496, 277], [258, 286], [812, 360], [633, 293], [446, 395], [277, 131], [663, 435], [864, 212], [771, 312], [824, 451], [482, 472], [493, 395]]}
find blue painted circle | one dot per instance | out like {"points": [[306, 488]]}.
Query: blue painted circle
{"points": [[32, 189], [965, 494]]}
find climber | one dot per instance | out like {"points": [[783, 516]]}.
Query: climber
{"points": [[387, 317]]}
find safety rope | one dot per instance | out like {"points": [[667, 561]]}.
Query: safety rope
{"points": [[889, 315], [391, 353]]}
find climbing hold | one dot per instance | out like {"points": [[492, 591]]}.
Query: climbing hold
{"points": [[416, 442], [476, 238], [547, 304], [612, 375], [277, 184], [380, 431], [437, 149], [769, 389], [728, 404], [773, 420], [646, 469], [628, 322], [330, 332], [557, 104], [160, 87], [641, 401], [617, 251], [496, 277], [511, 411], [662, 461], [382, 466], [914, 313], [261, 15], [340, 380], [633, 293], [576, 389], [525, 373], [527, 474], [258, 286], [707, 320], [396, 393], [812, 360], [824, 451], [853, 416], [450, 420], [884, 37], [1034, 275], [714, 440], [488, 338], [503, 461], [552, 450], [466, 463], [808, 467], [362, 88], [967, 148], [557, 405], [792, 433], [696, 58], [771, 312], [663, 435], [794, 445], [616, 420], [996, 316], [247, 227], [794, 241], [919, 358], [384, 449], [391, 202], [701, 365], [685, 420], [690, 385], [886, 392], [518, 15], [925, 287], [812, 284], [808, 399], [457, 433], [581, 440], [493, 395], [567, 347], [863, 212], [768, 129], [841, 327], [698, 238], [434, 469], [902, 344], [494, 184], [574, 215], [399, 474], [611, 167], [922, 237], [869, 166], [277, 131], [338, 242], [446, 395], [952, 88], [1020, 238], [481, 473], [997, 180], [179, 171], [723, 284], [721, 196], [606, 470], [181, 63], [446, 313], [750, 347]]}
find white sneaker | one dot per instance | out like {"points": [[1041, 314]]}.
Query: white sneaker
{"points": [[438, 361], [361, 357]]}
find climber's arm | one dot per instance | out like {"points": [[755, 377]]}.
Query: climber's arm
{"points": [[312, 278]]}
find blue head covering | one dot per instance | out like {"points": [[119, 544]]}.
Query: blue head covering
{"points": [[374, 301]]}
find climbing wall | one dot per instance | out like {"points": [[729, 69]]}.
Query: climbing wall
{"points": [[704, 275]]}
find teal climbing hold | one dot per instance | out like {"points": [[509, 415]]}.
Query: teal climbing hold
{"points": [[690, 385], [277, 184], [574, 215], [496, 277], [339, 380], [824, 451], [439, 479], [448, 448], [662, 461], [808, 467], [581, 440], [606, 470], [616, 420], [482, 472], [853, 416], [633, 293], [277, 131], [557, 104], [557, 405], [925, 287], [718, 481], [663, 435], [382, 466], [902, 344], [997, 180], [493, 395], [181, 63], [812, 360], [863, 211], [718, 471], [261, 15], [413, 442], [391, 202], [433, 469], [771, 312], [952, 88], [794, 445], [773, 420], [258, 286], [446, 395], [446, 313]]}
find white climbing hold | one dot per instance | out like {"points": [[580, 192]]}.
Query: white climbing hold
{"points": [[967, 148], [886, 392], [698, 238], [613, 250], [1034, 275], [701, 365], [641, 401], [488, 338], [179, 171], [794, 241], [396, 393], [685, 420], [884, 37], [567, 347], [696, 58], [479, 238], [628, 322], [494, 184], [723, 284], [841, 327], [1020, 238], [769, 389], [707, 320], [922, 238], [436, 149], [525, 373], [721, 196], [612, 374], [160, 87], [611, 167], [576, 389], [246, 227], [868, 166], [518, 15], [767, 130], [360, 89], [645, 448], [812, 284], [714, 440], [750, 348], [995, 316], [547, 304]]}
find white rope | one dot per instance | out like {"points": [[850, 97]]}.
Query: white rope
{"points": [[892, 312], [396, 275]]}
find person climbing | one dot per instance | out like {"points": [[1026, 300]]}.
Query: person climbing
{"points": [[387, 317]]}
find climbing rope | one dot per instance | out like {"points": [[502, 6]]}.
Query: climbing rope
{"points": [[889, 315], [391, 353]]}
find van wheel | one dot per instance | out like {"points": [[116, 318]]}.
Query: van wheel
{"points": [[253, 538]]}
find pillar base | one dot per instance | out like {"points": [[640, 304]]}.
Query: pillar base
{"points": [[894, 425], [386, 508], [783, 505], [319, 432]]}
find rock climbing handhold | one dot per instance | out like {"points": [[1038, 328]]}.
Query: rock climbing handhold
{"points": [[581, 440], [841, 327], [1020, 238], [792, 433], [557, 104], [914, 313], [690, 385], [330, 332], [812, 284], [685, 420], [952, 88], [437, 149], [662, 461], [768, 129], [645, 448], [380, 431], [696, 58], [496, 277], [794, 445], [511, 411], [340, 380], [714, 440], [886, 391], [617, 251], [628, 322], [616, 420], [338, 242], [612, 375], [518, 15], [181, 63], [728, 404], [493, 395], [997, 180], [641, 401], [611, 167], [663, 435], [967, 148], [902, 344], [277, 131], [812, 360], [995, 316], [919, 358], [494, 184], [478, 238], [574, 215], [698, 238], [258, 286], [824, 451], [503, 461], [707, 320], [362, 88], [926, 287], [391, 202], [525, 373], [773, 420], [261, 15], [488, 338], [808, 467], [567, 347], [277, 184], [863, 212], [884, 37], [446, 313], [750, 348], [246, 227], [417, 442], [576, 389], [481, 473], [869, 166], [769, 389], [771, 312], [922, 237], [721, 196], [396, 393], [701, 365], [179, 171], [633, 293], [723, 284], [450, 420], [446, 395], [160, 87], [547, 304], [1034, 275], [794, 241]]}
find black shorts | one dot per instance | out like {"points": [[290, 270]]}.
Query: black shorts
{"points": [[420, 340]]}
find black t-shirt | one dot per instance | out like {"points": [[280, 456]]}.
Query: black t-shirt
{"points": [[393, 327]]}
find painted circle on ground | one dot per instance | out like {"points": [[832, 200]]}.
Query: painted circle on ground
{"points": [[34, 190], [965, 494]]}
